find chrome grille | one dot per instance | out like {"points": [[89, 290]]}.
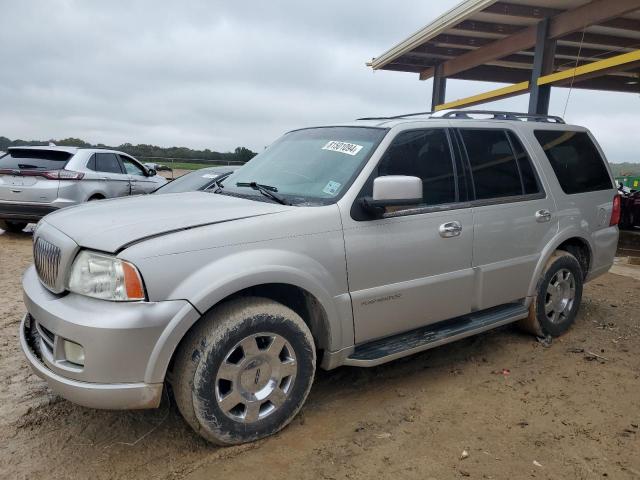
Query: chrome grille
{"points": [[47, 259]]}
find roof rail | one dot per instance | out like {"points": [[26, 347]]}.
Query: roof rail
{"points": [[498, 115], [495, 115], [394, 117]]}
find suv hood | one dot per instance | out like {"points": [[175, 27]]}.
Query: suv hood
{"points": [[110, 225]]}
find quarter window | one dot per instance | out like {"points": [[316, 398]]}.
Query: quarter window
{"points": [[424, 154], [91, 164], [575, 160], [493, 163], [107, 162]]}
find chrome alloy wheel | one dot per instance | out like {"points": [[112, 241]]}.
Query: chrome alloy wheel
{"points": [[256, 377], [561, 293]]}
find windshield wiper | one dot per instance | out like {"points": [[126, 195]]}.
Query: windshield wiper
{"points": [[266, 190], [218, 182]]}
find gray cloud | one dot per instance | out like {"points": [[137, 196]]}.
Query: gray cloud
{"points": [[217, 74]]}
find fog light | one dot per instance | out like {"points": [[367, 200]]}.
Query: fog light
{"points": [[73, 353]]}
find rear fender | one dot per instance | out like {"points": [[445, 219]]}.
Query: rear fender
{"points": [[561, 236]]}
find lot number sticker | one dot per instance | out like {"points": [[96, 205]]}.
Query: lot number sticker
{"points": [[342, 147]]}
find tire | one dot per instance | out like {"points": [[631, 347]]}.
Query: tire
{"points": [[553, 310], [13, 227], [241, 348]]}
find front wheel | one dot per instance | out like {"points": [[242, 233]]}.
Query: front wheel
{"points": [[244, 371], [13, 227], [558, 296]]}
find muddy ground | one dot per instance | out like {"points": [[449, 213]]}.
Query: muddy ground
{"points": [[519, 409]]}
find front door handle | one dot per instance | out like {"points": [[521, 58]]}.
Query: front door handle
{"points": [[543, 215], [450, 229]]}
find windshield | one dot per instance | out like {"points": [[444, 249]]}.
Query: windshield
{"points": [[32, 159], [193, 181], [314, 165]]}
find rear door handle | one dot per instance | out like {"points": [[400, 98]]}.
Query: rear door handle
{"points": [[450, 229], [543, 215]]}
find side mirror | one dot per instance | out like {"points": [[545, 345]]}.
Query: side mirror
{"points": [[151, 172], [394, 190]]}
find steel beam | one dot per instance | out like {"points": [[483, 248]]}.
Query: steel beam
{"points": [[543, 63], [491, 96], [439, 87]]}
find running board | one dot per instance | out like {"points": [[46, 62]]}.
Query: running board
{"points": [[386, 349]]}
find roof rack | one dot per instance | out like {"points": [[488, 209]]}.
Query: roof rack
{"points": [[464, 114], [498, 115], [396, 116]]}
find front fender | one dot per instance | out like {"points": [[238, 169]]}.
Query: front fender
{"points": [[217, 280]]}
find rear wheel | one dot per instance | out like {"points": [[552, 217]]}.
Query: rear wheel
{"points": [[244, 371], [14, 227], [558, 296]]}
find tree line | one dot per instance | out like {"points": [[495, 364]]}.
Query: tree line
{"points": [[241, 154]]}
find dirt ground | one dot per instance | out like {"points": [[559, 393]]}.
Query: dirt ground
{"points": [[517, 408]]}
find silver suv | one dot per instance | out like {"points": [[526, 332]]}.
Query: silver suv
{"points": [[35, 181], [352, 244]]}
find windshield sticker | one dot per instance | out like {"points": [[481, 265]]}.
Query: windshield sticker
{"points": [[209, 175], [342, 147], [332, 187]]}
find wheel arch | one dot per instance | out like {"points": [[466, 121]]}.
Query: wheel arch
{"points": [[96, 196], [324, 323], [571, 240]]}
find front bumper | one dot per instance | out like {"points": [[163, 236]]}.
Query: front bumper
{"points": [[93, 395], [127, 345], [26, 212]]}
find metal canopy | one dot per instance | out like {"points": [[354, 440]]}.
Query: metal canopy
{"points": [[520, 41]]}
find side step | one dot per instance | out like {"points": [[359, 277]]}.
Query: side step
{"points": [[386, 349]]}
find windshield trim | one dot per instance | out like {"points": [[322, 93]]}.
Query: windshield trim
{"points": [[313, 201]]}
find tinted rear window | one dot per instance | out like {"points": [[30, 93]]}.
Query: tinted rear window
{"points": [[108, 163], [493, 164], [30, 159], [576, 161]]}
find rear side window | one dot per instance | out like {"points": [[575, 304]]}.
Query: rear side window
{"points": [[107, 162], [33, 159], [493, 163], [424, 154], [575, 160]]}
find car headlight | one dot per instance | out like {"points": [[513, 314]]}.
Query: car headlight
{"points": [[103, 276]]}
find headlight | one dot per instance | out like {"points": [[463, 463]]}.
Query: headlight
{"points": [[105, 277]]}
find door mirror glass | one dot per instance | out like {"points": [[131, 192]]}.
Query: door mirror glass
{"points": [[151, 172]]}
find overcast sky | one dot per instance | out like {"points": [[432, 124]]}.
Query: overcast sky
{"points": [[219, 74]]}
